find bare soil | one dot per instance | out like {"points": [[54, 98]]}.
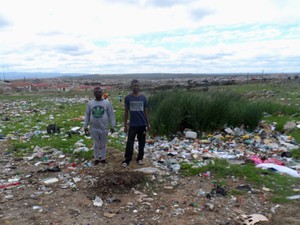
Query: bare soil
{"points": [[129, 197]]}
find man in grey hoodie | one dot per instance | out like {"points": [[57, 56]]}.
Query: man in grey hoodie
{"points": [[99, 112]]}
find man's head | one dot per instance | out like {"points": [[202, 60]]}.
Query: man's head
{"points": [[135, 86], [98, 93]]}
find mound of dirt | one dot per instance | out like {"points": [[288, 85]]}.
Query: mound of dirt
{"points": [[118, 182]]}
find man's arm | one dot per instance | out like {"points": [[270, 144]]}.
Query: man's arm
{"points": [[147, 118], [112, 118], [126, 119], [147, 114], [87, 119]]}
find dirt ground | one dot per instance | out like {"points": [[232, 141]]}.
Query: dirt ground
{"points": [[128, 197]]}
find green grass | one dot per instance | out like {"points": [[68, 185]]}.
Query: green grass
{"points": [[83, 155], [221, 170], [296, 153], [286, 92], [32, 114], [174, 111]]}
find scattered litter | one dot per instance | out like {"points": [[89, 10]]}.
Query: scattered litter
{"points": [[38, 208], [50, 180], [8, 196], [294, 197], [281, 169], [244, 187], [51, 169], [264, 147], [191, 134], [273, 209], [251, 219], [98, 202], [10, 184], [216, 192], [53, 128], [148, 170], [109, 215]]}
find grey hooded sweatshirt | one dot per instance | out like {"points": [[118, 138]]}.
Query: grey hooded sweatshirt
{"points": [[98, 113]]}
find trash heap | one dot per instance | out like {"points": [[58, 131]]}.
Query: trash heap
{"points": [[264, 147]]}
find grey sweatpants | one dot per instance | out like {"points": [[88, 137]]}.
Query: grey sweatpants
{"points": [[100, 141]]}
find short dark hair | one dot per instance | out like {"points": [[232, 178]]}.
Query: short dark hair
{"points": [[97, 88], [134, 81]]}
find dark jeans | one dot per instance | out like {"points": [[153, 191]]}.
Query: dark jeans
{"points": [[140, 132]]}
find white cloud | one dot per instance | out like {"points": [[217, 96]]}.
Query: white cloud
{"points": [[127, 36]]}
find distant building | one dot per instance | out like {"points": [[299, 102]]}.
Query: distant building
{"points": [[21, 86], [106, 88], [40, 87], [84, 88], [63, 87], [5, 87]]}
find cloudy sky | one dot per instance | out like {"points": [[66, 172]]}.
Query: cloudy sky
{"points": [[150, 36]]}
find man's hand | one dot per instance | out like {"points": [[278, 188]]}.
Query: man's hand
{"points": [[86, 131], [126, 128], [148, 127]]}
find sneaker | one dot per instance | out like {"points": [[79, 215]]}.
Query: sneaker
{"points": [[96, 162], [103, 161], [124, 164], [140, 162]]}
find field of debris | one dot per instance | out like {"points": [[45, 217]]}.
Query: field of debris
{"points": [[109, 194], [49, 177]]}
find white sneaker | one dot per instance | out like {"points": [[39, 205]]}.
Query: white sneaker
{"points": [[124, 164], [140, 162]]}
